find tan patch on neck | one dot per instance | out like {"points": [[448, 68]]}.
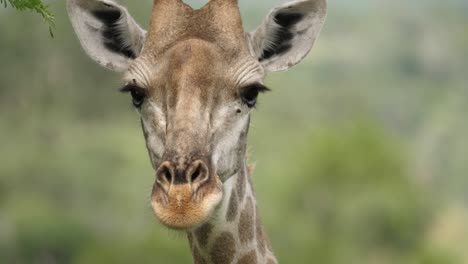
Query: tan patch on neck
{"points": [[232, 209], [271, 261], [223, 249], [197, 258], [260, 235], [246, 224], [241, 185], [249, 258], [202, 234]]}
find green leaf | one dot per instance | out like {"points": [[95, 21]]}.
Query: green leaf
{"points": [[36, 6]]}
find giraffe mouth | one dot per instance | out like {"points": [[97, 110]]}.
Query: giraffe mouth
{"points": [[181, 207]]}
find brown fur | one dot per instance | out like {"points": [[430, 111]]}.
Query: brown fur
{"points": [[198, 259], [203, 234], [173, 21], [241, 182], [260, 235], [246, 222], [223, 249], [249, 258], [232, 210]]}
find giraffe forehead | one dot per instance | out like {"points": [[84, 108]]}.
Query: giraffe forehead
{"points": [[195, 68], [194, 64], [195, 76]]}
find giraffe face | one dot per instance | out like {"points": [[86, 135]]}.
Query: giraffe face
{"points": [[194, 77], [194, 109]]}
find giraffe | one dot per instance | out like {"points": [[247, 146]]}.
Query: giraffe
{"points": [[194, 77]]}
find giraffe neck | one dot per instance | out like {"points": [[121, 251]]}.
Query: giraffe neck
{"points": [[234, 234]]}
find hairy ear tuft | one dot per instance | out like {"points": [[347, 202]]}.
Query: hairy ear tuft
{"points": [[287, 34], [107, 32]]}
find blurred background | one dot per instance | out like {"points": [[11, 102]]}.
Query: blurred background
{"points": [[360, 151]]}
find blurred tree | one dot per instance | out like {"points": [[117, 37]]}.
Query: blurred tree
{"points": [[357, 198]]}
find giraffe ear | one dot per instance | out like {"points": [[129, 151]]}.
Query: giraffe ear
{"points": [[287, 34], [107, 32]]}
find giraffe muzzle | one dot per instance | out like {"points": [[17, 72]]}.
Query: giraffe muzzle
{"points": [[185, 193]]}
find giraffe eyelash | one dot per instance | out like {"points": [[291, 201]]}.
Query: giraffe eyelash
{"points": [[138, 94], [250, 93], [131, 87]]}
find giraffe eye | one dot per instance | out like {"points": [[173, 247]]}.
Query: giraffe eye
{"points": [[138, 94], [138, 97], [250, 93]]}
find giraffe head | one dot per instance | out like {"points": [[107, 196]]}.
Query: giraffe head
{"points": [[194, 77]]}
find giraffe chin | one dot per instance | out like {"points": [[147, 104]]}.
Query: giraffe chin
{"points": [[181, 209]]}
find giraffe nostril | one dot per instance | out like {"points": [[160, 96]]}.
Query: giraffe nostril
{"points": [[195, 174], [167, 175], [164, 176]]}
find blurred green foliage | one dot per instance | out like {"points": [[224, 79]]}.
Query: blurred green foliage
{"points": [[359, 199], [360, 151]]}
